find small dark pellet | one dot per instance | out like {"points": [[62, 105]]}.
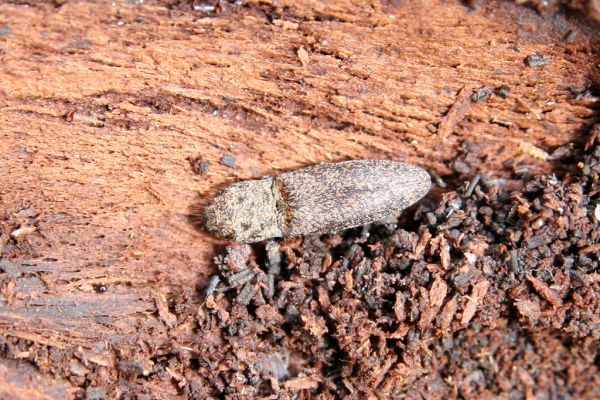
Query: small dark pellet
{"points": [[538, 240], [461, 167], [431, 219], [514, 261], [95, 393], [83, 44], [570, 36], [228, 160], [241, 277], [472, 185], [274, 257], [212, 285], [100, 288], [536, 61], [246, 294], [502, 91], [130, 368], [363, 268], [199, 165], [578, 276], [270, 292]]}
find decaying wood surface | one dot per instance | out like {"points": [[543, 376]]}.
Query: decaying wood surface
{"points": [[102, 106]]}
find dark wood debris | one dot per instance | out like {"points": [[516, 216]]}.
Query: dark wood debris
{"points": [[536, 61], [490, 292], [199, 165]]}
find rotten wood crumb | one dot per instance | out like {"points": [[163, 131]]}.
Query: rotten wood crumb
{"points": [[481, 94], [529, 309], [165, 315], [301, 383], [199, 165], [595, 248]]}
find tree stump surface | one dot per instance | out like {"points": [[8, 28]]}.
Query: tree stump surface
{"points": [[102, 107]]}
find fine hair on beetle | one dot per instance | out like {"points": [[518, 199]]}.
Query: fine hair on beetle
{"points": [[320, 199]]}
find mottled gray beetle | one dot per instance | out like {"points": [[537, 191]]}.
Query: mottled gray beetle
{"points": [[323, 198]]}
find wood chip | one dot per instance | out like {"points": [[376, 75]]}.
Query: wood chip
{"points": [[446, 316], [168, 318], [287, 25], [22, 231], [477, 294], [303, 56], [545, 291], [315, 325], [438, 291], [590, 249], [457, 112], [529, 309], [301, 383]]}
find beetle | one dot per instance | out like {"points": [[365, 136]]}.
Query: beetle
{"points": [[322, 198]]}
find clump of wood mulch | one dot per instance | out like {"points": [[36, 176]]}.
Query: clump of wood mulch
{"points": [[478, 291]]}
